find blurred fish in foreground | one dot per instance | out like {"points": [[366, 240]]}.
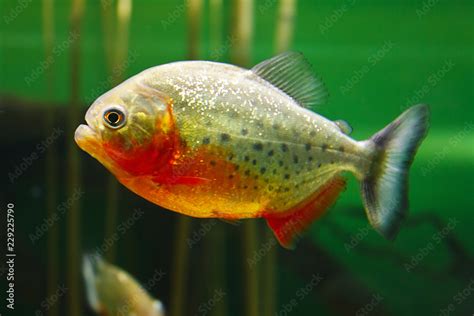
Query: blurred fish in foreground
{"points": [[113, 292]]}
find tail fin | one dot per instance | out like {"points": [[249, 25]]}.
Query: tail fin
{"points": [[384, 188]]}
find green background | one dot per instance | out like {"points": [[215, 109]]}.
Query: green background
{"points": [[403, 55]]}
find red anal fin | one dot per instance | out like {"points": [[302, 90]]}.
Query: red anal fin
{"points": [[293, 222]]}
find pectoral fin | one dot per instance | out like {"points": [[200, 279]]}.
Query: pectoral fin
{"points": [[290, 224], [185, 180]]}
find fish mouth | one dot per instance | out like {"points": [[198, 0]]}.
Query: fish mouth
{"points": [[90, 141], [86, 138]]}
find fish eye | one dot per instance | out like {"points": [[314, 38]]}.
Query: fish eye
{"points": [[114, 118]]}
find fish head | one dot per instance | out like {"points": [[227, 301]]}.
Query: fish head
{"points": [[129, 129]]}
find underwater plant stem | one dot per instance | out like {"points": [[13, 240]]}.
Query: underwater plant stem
{"points": [[215, 25], [283, 38], [111, 206], [184, 223], [111, 201], [48, 37], [73, 176], [242, 33], [73, 224], [108, 22], [285, 25], [269, 277], [250, 240], [124, 12], [194, 29], [51, 203], [217, 245], [51, 161], [179, 274], [217, 239], [118, 55]]}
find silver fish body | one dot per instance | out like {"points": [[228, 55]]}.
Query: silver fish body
{"points": [[263, 123], [286, 159]]}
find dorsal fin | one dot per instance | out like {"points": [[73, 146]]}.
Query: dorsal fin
{"points": [[292, 73]]}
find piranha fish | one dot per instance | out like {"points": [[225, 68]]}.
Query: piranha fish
{"points": [[215, 140], [113, 292]]}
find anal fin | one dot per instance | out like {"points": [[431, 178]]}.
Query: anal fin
{"points": [[289, 225]]}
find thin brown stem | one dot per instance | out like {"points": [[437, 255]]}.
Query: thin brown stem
{"points": [[51, 162], [184, 223], [194, 27], [283, 38], [117, 54], [215, 24], [73, 178], [242, 29], [242, 32], [179, 274], [285, 25]]}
